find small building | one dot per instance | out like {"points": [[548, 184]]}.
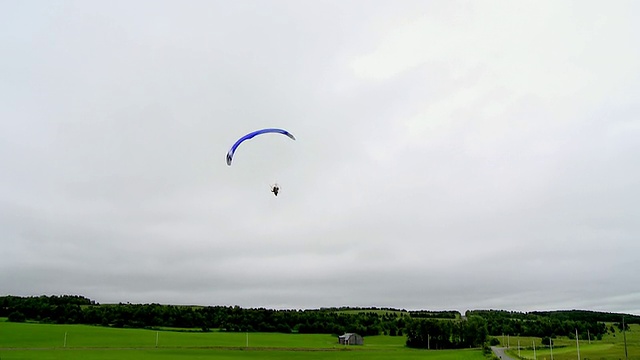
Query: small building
{"points": [[350, 339]]}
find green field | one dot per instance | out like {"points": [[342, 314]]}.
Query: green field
{"points": [[381, 312], [375, 311], [46, 341], [610, 347]]}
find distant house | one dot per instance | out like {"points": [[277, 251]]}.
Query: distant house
{"points": [[350, 339]]}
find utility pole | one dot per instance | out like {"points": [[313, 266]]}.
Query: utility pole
{"points": [[624, 334], [577, 344], [534, 349]]}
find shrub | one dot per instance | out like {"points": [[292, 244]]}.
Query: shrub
{"points": [[17, 316]]}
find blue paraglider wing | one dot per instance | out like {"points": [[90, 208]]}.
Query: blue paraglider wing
{"points": [[251, 135]]}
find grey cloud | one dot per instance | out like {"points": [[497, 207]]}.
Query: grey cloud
{"points": [[441, 170]]}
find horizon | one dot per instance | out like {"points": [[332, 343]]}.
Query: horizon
{"points": [[345, 307]]}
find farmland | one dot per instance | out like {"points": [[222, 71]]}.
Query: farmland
{"points": [[49, 341], [67, 328], [610, 347]]}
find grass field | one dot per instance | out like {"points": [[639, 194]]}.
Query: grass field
{"points": [[381, 312], [195, 354], [46, 341], [609, 348], [375, 311]]}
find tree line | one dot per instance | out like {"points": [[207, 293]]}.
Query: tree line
{"points": [[80, 310], [589, 324], [423, 329], [447, 334]]}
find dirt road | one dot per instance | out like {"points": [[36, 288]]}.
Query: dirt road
{"points": [[499, 351]]}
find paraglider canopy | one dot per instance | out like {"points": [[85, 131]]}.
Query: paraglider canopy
{"points": [[250, 136]]}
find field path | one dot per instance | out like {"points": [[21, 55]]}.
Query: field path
{"points": [[499, 351]]}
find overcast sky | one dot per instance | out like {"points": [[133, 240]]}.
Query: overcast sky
{"points": [[449, 155]]}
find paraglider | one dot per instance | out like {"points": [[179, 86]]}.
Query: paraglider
{"points": [[275, 188], [250, 136]]}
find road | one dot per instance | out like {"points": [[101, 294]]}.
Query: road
{"points": [[499, 351]]}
